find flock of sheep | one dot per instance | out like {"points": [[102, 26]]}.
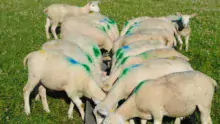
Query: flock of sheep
{"points": [[154, 79]]}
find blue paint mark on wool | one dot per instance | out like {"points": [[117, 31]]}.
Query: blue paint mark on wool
{"points": [[72, 61], [104, 20], [135, 65], [125, 47]]}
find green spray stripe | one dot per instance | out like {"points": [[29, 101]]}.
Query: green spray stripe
{"points": [[139, 86]]}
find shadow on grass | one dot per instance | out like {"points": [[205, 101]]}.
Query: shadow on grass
{"points": [[56, 95]]}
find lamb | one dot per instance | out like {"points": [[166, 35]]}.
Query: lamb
{"points": [[135, 49], [74, 27], [181, 23], [56, 13], [140, 58], [132, 75], [168, 96], [59, 72]]}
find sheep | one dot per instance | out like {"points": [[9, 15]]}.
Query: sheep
{"points": [[88, 45], [59, 72], [151, 34], [168, 96], [181, 23], [135, 49], [140, 58], [132, 75], [73, 51], [130, 23], [104, 23], [56, 13], [72, 26]]}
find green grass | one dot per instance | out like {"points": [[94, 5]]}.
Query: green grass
{"points": [[22, 31]]}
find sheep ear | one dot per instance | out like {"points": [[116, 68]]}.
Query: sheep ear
{"points": [[103, 112], [193, 15], [179, 13]]}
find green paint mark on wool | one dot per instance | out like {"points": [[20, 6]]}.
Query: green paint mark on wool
{"points": [[120, 56], [96, 51], [108, 26], [139, 86], [124, 72], [89, 58], [144, 55], [86, 67], [110, 21], [118, 52], [124, 60], [102, 28], [126, 23]]}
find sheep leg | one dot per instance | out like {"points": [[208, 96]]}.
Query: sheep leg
{"points": [[47, 25], [180, 41], [177, 121], [131, 121], [70, 111], [205, 115], [158, 117], [80, 106], [43, 95], [98, 118], [187, 42], [143, 121], [32, 82], [53, 29], [37, 97]]}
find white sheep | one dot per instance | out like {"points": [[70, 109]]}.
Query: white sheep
{"points": [[56, 13], [135, 49], [168, 96], [181, 23], [88, 45], [103, 23], [74, 27], [132, 75], [71, 50], [140, 58], [59, 72]]}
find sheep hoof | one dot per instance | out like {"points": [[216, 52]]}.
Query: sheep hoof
{"points": [[70, 116], [27, 112], [37, 98], [47, 110]]}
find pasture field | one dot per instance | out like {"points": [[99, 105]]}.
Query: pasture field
{"points": [[22, 31]]}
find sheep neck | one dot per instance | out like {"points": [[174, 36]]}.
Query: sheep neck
{"points": [[128, 109]]}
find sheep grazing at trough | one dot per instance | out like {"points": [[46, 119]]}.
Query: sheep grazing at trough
{"points": [[56, 13], [181, 23], [58, 72], [88, 45], [149, 55], [149, 29], [103, 23], [167, 96], [135, 49], [132, 75], [74, 27], [141, 58]]}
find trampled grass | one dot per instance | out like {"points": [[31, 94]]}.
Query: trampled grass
{"points": [[22, 31]]}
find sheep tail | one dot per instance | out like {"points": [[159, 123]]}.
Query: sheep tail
{"points": [[215, 84], [25, 59]]}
